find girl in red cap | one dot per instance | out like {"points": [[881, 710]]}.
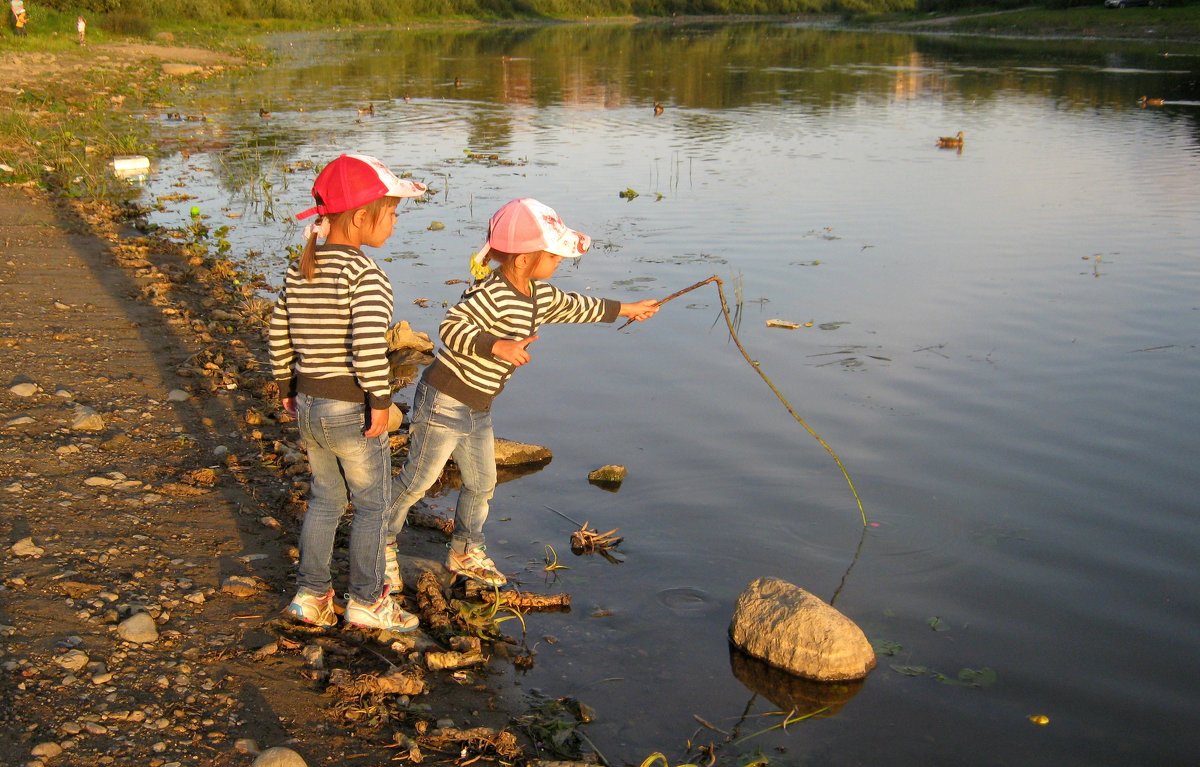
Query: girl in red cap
{"points": [[485, 337], [329, 354]]}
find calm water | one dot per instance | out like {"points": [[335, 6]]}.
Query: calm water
{"points": [[1003, 353]]}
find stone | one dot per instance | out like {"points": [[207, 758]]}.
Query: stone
{"points": [[178, 395], [793, 630], [395, 417], [20, 420], [510, 453], [87, 419], [72, 660], [176, 69], [25, 389], [26, 548], [139, 627], [402, 336], [611, 474], [314, 656], [47, 750], [245, 746], [241, 585], [279, 757]]}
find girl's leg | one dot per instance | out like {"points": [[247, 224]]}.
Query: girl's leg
{"points": [[365, 470], [326, 501], [368, 473], [435, 428], [476, 459]]}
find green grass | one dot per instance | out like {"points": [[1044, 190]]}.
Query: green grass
{"points": [[1174, 22]]}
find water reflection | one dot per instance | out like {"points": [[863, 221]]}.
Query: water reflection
{"points": [[789, 692], [498, 83], [959, 352]]}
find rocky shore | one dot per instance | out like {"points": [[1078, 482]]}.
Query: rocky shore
{"points": [[152, 492]]}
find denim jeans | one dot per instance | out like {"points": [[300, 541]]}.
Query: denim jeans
{"points": [[440, 427], [346, 467]]}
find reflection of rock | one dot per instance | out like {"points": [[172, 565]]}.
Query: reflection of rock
{"points": [[407, 350], [793, 630], [404, 365], [788, 691]]}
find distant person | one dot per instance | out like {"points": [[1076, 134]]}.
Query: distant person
{"points": [[81, 29], [19, 17], [328, 352], [485, 337]]}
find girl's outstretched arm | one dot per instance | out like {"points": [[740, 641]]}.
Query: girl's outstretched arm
{"points": [[641, 310]]}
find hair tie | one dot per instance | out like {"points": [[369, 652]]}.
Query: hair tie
{"points": [[319, 227], [479, 267]]}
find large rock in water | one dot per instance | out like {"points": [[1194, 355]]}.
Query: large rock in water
{"points": [[793, 630]]}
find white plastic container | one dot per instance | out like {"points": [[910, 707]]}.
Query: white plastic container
{"points": [[131, 165]]}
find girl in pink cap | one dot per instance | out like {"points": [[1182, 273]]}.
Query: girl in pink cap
{"points": [[485, 337], [329, 354]]}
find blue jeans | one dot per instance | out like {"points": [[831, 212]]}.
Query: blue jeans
{"points": [[346, 467], [440, 427]]}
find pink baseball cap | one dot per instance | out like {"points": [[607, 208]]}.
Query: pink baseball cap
{"points": [[353, 180], [527, 226]]}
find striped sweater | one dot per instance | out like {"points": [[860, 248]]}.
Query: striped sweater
{"points": [[328, 336], [490, 311]]}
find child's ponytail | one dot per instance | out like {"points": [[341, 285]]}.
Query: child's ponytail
{"points": [[308, 259]]}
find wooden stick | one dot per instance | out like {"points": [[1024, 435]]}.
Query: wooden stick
{"points": [[677, 294], [758, 369]]}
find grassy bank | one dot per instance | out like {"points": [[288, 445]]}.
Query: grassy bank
{"points": [[66, 110], [1174, 22]]}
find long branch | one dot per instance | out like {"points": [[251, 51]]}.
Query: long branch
{"points": [[758, 369], [676, 294]]}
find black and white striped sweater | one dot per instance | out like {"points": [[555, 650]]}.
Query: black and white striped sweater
{"points": [[490, 311], [328, 336]]}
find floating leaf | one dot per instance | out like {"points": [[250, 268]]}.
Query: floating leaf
{"points": [[936, 624], [977, 677], [1039, 719], [910, 670], [888, 647], [628, 194]]}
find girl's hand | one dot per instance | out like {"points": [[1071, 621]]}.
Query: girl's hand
{"points": [[641, 310], [378, 424], [513, 352], [289, 404]]}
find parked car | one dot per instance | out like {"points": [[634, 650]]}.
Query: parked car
{"points": [[1127, 3]]}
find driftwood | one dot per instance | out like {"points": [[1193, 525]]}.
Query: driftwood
{"points": [[480, 740], [430, 521], [445, 661], [344, 684], [526, 602], [432, 603], [587, 539]]}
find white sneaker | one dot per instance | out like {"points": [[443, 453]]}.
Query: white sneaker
{"points": [[383, 613], [391, 571], [475, 563], [311, 609]]}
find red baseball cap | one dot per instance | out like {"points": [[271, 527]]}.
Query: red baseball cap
{"points": [[353, 180], [527, 226]]}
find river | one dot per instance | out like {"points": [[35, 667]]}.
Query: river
{"points": [[1002, 352]]}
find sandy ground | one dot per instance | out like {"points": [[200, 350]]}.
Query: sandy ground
{"points": [[145, 469], [152, 509]]}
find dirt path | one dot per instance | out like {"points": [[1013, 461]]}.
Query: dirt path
{"points": [[26, 68], [150, 510]]}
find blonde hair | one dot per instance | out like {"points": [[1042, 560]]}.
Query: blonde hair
{"points": [[376, 210]]}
